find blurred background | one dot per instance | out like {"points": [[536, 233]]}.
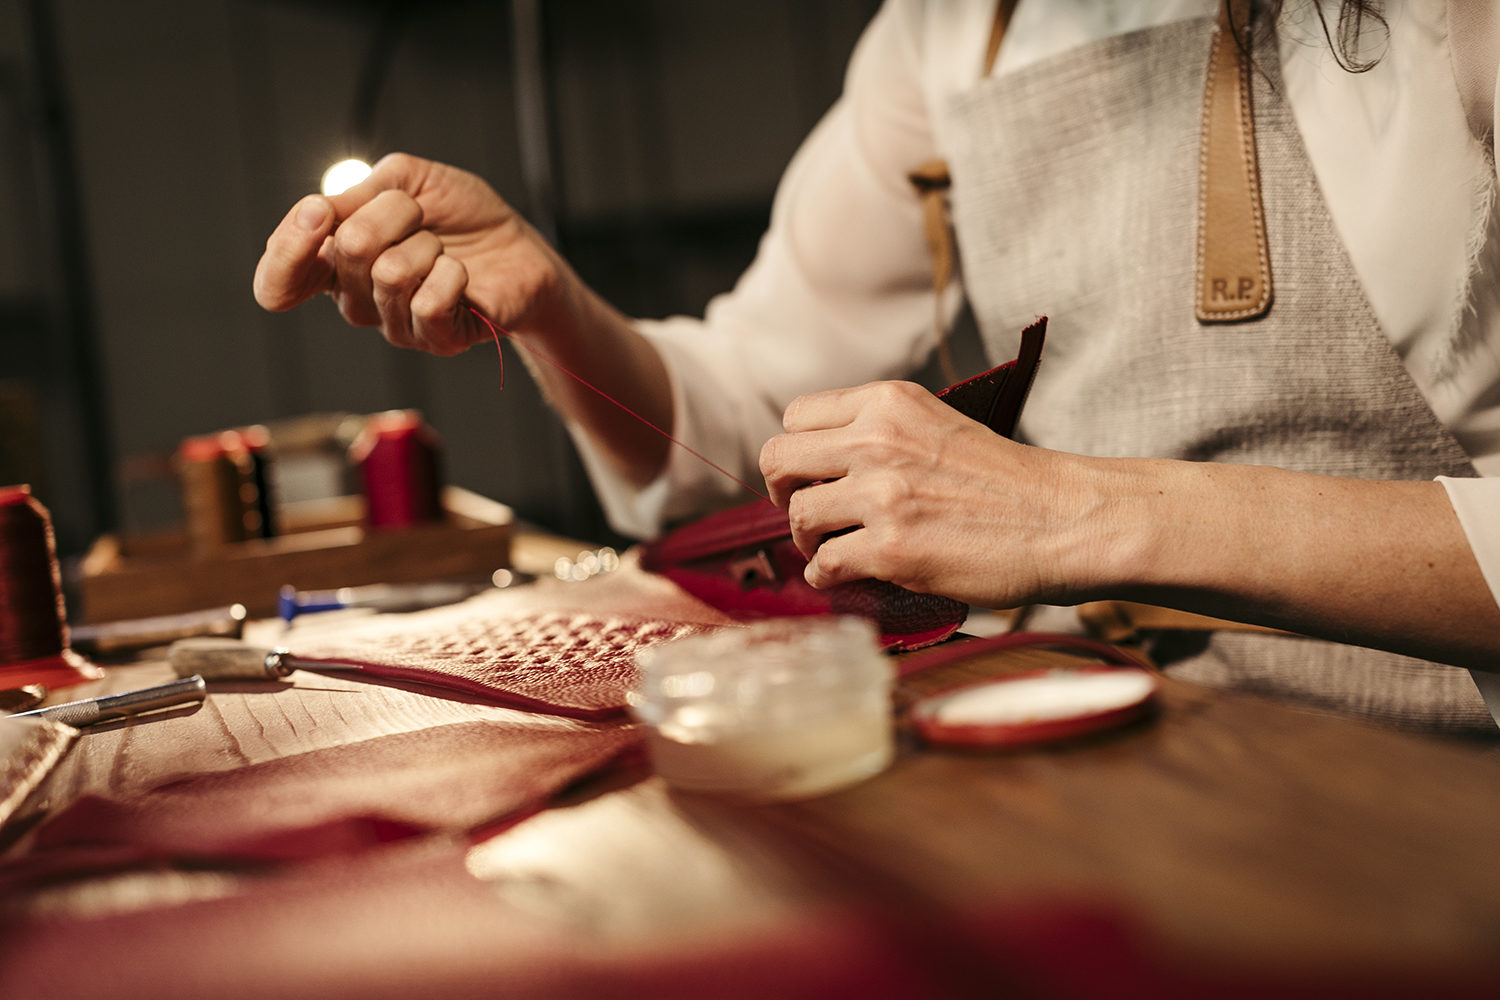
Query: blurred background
{"points": [[148, 148]]}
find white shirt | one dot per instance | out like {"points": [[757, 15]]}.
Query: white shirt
{"points": [[839, 293]]}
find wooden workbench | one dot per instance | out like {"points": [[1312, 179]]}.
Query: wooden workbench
{"points": [[1230, 840]]}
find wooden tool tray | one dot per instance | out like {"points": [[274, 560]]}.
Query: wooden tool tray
{"points": [[324, 545]]}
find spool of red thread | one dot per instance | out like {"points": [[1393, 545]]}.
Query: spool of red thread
{"points": [[33, 619], [398, 459]]}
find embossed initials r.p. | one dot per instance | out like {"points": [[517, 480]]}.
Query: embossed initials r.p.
{"points": [[1219, 292]]}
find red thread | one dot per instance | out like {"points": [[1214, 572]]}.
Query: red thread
{"points": [[496, 330]]}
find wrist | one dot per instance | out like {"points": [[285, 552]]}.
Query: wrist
{"points": [[1123, 525], [551, 299]]}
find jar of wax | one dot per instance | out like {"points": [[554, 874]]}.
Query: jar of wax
{"points": [[787, 708]]}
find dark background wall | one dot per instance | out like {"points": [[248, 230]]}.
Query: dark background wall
{"points": [[147, 148]]}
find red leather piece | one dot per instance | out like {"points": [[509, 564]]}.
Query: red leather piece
{"points": [[574, 663], [459, 778], [743, 562]]}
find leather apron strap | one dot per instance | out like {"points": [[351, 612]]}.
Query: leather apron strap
{"points": [[1234, 263]]}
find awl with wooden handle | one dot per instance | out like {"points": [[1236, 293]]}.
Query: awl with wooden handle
{"points": [[232, 660]]}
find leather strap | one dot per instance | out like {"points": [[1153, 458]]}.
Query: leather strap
{"points": [[1003, 10], [932, 182], [962, 649], [1125, 621], [1233, 260]]}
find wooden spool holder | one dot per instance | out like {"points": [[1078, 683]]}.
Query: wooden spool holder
{"points": [[324, 544]]}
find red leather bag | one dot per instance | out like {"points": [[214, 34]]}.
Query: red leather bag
{"points": [[742, 561]]}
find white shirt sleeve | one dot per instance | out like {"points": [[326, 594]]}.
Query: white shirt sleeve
{"points": [[839, 293], [1477, 504]]}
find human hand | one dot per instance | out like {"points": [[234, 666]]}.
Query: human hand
{"points": [[402, 250], [887, 481]]}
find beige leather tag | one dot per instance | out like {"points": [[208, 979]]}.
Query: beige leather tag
{"points": [[1234, 263]]}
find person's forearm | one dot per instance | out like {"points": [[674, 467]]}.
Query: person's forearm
{"points": [[589, 338], [1382, 564]]}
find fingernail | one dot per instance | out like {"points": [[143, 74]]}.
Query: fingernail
{"points": [[311, 215]]}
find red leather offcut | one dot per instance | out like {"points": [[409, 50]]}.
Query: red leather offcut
{"points": [[466, 778]]}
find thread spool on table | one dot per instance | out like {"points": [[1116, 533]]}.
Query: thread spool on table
{"points": [[213, 500], [398, 459], [33, 619]]}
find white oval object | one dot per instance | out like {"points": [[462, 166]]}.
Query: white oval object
{"points": [[1036, 707]]}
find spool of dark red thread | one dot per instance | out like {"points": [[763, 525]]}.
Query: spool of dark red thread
{"points": [[398, 457], [33, 619]]}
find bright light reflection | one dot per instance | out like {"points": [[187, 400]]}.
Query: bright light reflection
{"points": [[693, 685], [343, 175]]}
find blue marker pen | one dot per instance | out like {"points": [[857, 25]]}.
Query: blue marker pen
{"points": [[292, 602]]}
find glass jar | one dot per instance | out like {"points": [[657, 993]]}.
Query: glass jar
{"points": [[787, 708]]}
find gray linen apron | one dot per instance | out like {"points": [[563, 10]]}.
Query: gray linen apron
{"points": [[1075, 195]]}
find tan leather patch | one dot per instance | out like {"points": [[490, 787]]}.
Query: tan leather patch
{"points": [[1234, 263]]}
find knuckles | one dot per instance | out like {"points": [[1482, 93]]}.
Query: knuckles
{"points": [[888, 496], [897, 393], [791, 416], [356, 240], [823, 570], [400, 164], [771, 456], [391, 270], [800, 517], [426, 312]]}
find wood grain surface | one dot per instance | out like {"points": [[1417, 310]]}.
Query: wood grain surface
{"points": [[1226, 827]]}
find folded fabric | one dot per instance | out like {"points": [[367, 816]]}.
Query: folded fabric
{"points": [[29, 746], [464, 778]]}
